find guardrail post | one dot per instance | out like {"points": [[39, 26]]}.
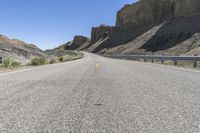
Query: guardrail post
{"points": [[195, 64], [194, 59], [175, 62], [1, 60]]}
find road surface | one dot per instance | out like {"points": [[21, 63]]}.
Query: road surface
{"points": [[100, 95]]}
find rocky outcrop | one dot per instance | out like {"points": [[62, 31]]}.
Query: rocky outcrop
{"points": [[173, 33], [76, 43], [146, 27], [178, 20], [18, 50], [154, 11], [102, 31], [145, 12], [79, 40], [132, 21]]}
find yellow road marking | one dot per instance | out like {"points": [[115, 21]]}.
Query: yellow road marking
{"points": [[97, 65]]}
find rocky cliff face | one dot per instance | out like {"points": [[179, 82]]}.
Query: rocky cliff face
{"points": [[78, 40], [154, 11], [76, 43], [178, 21], [102, 31], [145, 12], [187, 8]]}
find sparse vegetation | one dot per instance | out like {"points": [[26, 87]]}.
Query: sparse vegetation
{"points": [[52, 61], [15, 64], [61, 59], [38, 61], [8, 63]]}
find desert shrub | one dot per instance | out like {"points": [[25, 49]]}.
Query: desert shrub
{"points": [[61, 59], [7, 63], [15, 64], [38, 61], [52, 61]]}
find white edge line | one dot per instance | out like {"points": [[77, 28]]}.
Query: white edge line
{"points": [[35, 67], [28, 69]]}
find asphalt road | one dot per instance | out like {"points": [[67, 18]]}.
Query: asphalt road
{"points": [[100, 95]]}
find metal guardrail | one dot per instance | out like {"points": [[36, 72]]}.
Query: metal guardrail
{"points": [[194, 59], [1, 60]]}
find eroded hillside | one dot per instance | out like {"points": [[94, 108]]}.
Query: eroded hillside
{"points": [[18, 50]]}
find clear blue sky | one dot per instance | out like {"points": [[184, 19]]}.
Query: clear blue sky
{"points": [[49, 23]]}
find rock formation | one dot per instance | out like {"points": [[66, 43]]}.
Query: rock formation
{"points": [[152, 11], [76, 43], [102, 31], [178, 20], [18, 50], [145, 12], [78, 40], [187, 8], [147, 27]]}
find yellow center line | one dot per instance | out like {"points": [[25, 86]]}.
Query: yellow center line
{"points": [[97, 65]]}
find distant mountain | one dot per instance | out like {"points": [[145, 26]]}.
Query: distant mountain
{"points": [[18, 50], [170, 27]]}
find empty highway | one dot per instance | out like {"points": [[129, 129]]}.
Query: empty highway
{"points": [[100, 95]]}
